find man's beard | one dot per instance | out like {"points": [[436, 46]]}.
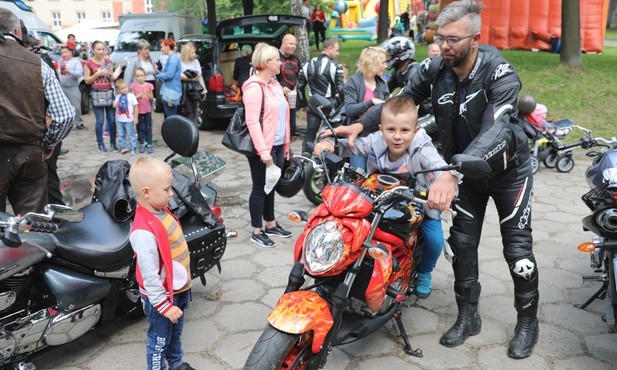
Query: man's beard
{"points": [[455, 62]]}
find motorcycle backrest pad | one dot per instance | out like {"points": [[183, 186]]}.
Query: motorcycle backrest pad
{"points": [[181, 135]]}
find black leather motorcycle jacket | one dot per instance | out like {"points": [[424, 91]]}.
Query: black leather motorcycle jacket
{"points": [[323, 76], [488, 108]]}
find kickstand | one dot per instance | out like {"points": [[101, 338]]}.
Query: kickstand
{"points": [[403, 333], [601, 293]]}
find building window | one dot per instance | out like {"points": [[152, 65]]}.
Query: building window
{"points": [[107, 17], [57, 19], [81, 16], [149, 6]]}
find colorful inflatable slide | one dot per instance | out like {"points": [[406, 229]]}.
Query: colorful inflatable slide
{"points": [[357, 20]]}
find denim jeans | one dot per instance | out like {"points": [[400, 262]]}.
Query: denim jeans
{"points": [[127, 128], [100, 113], [164, 338], [433, 243], [145, 128], [170, 111]]}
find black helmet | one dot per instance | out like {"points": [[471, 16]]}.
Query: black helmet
{"points": [[292, 178], [526, 104], [400, 49]]}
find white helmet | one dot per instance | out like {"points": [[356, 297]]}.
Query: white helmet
{"points": [[400, 49]]}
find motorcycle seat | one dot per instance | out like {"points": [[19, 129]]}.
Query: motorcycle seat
{"points": [[98, 242]]}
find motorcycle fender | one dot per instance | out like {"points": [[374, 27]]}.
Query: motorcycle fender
{"points": [[302, 311]]}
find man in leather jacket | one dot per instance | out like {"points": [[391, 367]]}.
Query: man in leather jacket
{"points": [[474, 91], [324, 77], [34, 116]]}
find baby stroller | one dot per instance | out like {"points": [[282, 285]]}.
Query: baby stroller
{"points": [[544, 137]]}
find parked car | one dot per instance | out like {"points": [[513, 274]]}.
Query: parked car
{"points": [[217, 55]]}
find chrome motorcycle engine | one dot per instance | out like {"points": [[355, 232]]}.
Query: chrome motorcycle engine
{"points": [[24, 333]]}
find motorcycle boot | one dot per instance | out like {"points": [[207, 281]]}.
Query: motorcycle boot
{"points": [[468, 322], [527, 329]]}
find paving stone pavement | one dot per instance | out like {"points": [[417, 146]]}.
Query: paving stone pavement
{"points": [[228, 315]]}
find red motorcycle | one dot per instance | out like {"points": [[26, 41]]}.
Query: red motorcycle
{"points": [[360, 249]]}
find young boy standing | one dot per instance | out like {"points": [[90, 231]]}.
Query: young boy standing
{"points": [[163, 263], [144, 92], [126, 116], [401, 147]]}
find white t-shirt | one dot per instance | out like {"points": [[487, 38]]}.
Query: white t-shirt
{"points": [[194, 65], [125, 107]]}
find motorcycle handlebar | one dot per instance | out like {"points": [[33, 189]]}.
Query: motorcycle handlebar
{"points": [[42, 227]]}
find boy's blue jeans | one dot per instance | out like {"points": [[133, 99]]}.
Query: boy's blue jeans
{"points": [[125, 128], [164, 338], [433, 243]]}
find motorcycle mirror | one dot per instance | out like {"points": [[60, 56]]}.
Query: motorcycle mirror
{"points": [[470, 166], [65, 213]]}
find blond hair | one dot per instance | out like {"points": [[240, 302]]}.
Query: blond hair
{"points": [[186, 49], [145, 172], [368, 63], [262, 54]]}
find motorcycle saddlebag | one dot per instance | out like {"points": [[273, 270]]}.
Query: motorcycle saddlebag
{"points": [[206, 245]]}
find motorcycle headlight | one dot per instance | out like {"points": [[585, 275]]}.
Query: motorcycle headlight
{"points": [[323, 246]]}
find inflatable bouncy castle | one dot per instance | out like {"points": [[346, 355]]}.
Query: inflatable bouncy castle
{"points": [[357, 19], [536, 24]]}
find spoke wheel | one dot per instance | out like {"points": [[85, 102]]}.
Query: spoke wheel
{"points": [[550, 161]]}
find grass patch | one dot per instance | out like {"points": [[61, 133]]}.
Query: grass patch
{"points": [[587, 95], [611, 35]]}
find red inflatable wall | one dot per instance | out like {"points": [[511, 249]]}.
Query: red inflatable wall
{"points": [[530, 24]]}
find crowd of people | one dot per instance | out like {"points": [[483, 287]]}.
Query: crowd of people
{"points": [[381, 135]]}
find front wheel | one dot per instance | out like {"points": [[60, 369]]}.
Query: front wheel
{"points": [[314, 182], [565, 164], [278, 350]]}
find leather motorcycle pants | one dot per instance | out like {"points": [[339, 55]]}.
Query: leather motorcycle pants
{"points": [[511, 192]]}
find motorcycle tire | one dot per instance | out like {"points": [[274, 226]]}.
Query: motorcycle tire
{"points": [[535, 163], [550, 161], [565, 163], [278, 350], [314, 182]]}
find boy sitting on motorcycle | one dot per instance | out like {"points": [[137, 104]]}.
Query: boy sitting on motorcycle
{"points": [[401, 147]]}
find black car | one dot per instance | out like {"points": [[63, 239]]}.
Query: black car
{"points": [[217, 55]]}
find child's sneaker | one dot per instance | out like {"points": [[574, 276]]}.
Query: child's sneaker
{"points": [[185, 366], [102, 149], [423, 289], [133, 152], [124, 151], [106, 133], [150, 149], [114, 148], [142, 148]]}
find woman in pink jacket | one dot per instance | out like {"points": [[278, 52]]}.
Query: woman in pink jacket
{"points": [[270, 137]]}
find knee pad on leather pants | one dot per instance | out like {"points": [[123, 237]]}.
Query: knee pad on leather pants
{"points": [[524, 269], [464, 249]]}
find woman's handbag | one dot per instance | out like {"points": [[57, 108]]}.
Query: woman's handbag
{"points": [[102, 98], [237, 136], [170, 96]]}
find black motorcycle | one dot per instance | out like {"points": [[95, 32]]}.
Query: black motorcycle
{"points": [[64, 271], [602, 201]]}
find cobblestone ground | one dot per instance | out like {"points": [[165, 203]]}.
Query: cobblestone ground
{"points": [[227, 316]]}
